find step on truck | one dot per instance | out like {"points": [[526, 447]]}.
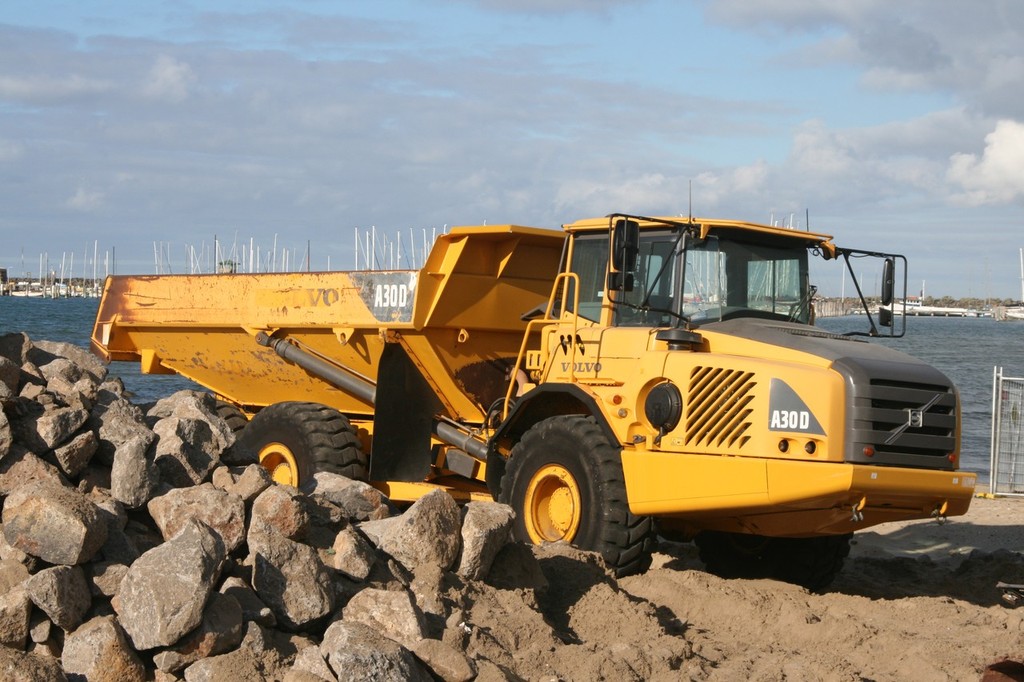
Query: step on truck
{"points": [[624, 378]]}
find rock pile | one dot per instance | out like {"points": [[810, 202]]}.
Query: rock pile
{"points": [[138, 543]]}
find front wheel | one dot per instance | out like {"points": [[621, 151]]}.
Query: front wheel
{"points": [[294, 440], [565, 482]]}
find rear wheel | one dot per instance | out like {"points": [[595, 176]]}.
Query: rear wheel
{"points": [[565, 482], [809, 562], [232, 416], [294, 440]]}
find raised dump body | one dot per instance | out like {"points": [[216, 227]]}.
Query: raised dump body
{"points": [[458, 318], [626, 372]]}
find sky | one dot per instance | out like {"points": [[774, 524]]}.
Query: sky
{"points": [[135, 135]]}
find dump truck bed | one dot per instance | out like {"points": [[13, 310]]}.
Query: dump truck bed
{"points": [[458, 318]]}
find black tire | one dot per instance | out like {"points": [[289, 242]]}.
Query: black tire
{"points": [[295, 440], [566, 462], [234, 417], [809, 562]]}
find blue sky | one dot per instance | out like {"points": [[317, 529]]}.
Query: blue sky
{"points": [[150, 128]]}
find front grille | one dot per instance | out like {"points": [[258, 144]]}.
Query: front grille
{"points": [[906, 423], [718, 407]]}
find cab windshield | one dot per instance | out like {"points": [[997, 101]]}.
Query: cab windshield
{"points": [[680, 279]]}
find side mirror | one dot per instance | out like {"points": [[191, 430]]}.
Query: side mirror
{"points": [[884, 317], [625, 245], [888, 281]]}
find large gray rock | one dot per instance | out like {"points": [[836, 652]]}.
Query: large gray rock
{"points": [[291, 579], [186, 451], [246, 482], [165, 591], [218, 632], [62, 593], [15, 614], [133, 476], [6, 437], [56, 426], [261, 656], [358, 500], [358, 652], [44, 352], [486, 528], [15, 347], [445, 661], [253, 608], [194, 405], [427, 533], [312, 666], [116, 420], [21, 467], [74, 455], [353, 555], [283, 509], [57, 524], [10, 377], [19, 666], [391, 612], [221, 511], [97, 651]]}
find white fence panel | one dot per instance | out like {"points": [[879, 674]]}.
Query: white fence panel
{"points": [[1007, 459]]}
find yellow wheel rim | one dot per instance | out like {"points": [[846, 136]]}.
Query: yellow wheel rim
{"points": [[552, 507], [280, 462]]}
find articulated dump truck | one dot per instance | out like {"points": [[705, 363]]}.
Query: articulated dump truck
{"points": [[625, 378]]}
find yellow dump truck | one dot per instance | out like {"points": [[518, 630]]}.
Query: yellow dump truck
{"points": [[626, 377]]}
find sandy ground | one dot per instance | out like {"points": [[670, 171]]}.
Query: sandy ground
{"points": [[915, 601]]}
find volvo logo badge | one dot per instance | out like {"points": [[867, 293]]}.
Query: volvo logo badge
{"points": [[915, 418]]}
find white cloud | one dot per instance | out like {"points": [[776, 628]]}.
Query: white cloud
{"points": [[85, 200], [169, 80], [997, 176]]}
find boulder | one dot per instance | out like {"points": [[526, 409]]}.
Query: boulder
{"points": [[352, 554], [21, 467], [164, 593], [445, 661], [390, 612], [283, 509], [43, 353], [15, 614], [194, 405], [253, 608], [186, 451], [10, 377], [358, 500], [312, 664], [222, 511], [219, 631], [56, 426], [428, 532], [15, 347], [6, 437], [246, 482], [19, 666], [291, 579], [62, 593], [116, 421], [98, 651], [57, 524], [133, 476], [74, 455], [486, 529], [359, 652]]}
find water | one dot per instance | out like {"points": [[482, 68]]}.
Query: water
{"points": [[965, 349], [70, 320]]}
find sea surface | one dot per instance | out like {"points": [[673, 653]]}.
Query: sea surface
{"points": [[965, 349]]}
